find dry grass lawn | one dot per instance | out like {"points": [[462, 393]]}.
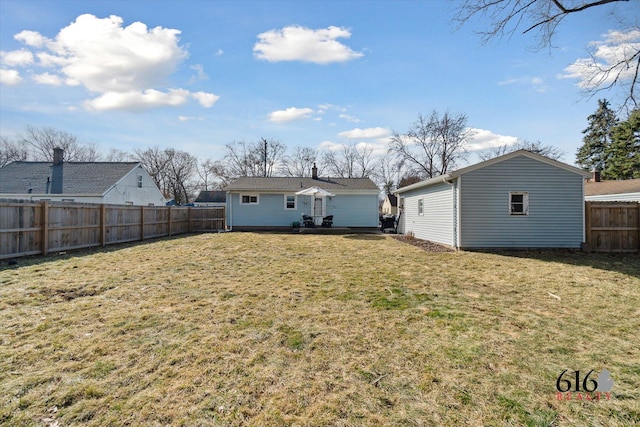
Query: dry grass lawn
{"points": [[274, 329]]}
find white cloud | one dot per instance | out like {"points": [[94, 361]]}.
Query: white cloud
{"points": [[127, 66], [188, 118], [358, 133], [200, 74], [330, 146], [47, 79], [349, 118], [536, 83], [484, 139], [16, 58], [135, 100], [608, 54], [290, 114], [31, 38], [295, 43], [205, 99], [220, 52], [9, 77]]}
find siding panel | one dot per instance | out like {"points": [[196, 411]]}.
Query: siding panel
{"points": [[437, 222], [556, 206]]}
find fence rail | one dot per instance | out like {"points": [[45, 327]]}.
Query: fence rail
{"points": [[32, 228], [613, 226]]}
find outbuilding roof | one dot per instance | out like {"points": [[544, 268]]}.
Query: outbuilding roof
{"points": [[288, 184], [452, 175], [78, 177]]}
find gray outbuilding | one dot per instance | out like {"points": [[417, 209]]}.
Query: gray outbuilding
{"points": [[519, 200]]}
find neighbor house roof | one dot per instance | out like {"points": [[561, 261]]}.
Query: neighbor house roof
{"points": [[623, 186], [78, 177], [455, 174], [296, 184], [211, 197]]}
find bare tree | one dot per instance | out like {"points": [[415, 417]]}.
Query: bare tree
{"points": [[299, 163], [536, 147], [254, 159], [180, 170], [349, 161], [542, 17], [205, 172], [432, 146], [43, 140], [386, 173], [115, 155], [11, 152]]}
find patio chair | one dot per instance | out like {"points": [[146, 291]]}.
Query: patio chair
{"points": [[307, 221], [327, 221]]}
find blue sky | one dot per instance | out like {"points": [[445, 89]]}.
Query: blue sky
{"points": [[196, 75]]}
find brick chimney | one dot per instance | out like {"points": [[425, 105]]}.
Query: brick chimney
{"points": [[595, 175], [314, 172], [57, 171]]}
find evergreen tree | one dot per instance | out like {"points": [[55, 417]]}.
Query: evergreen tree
{"points": [[597, 138], [624, 152]]}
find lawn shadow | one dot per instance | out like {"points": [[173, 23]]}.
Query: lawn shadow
{"points": [[22, 261], [364, 237], [625, 263]]}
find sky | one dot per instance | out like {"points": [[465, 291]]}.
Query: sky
{"points": [[195, 75]]}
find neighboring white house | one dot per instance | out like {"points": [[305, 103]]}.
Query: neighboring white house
{"points": [[123, 183], [627, 190], [519, 200], [389, 205]]}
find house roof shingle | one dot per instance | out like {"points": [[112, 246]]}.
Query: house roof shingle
{"points": [[296, 184], [593, 188], [78, 177], [211, 197]]}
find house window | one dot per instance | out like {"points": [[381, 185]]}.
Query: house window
{"points": [[249, 199], [139, 181], [290, 202], [420, 206], [518, 203]]}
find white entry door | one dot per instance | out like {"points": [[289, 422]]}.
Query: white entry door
{"points": [[318, 210]]}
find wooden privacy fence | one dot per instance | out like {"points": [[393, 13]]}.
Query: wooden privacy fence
{"points": [[32, 228], [613, 226]]}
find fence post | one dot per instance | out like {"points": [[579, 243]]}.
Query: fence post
{"points": [[169, 215], [142, 222], [45, 227], [587, 222], [189, 227], [103, 225]]}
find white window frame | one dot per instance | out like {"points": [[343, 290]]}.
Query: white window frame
{"points": [[286, 202], [139, 181], [525, 203], [420, 207], [249, 195]]}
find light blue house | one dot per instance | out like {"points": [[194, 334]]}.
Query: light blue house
{"points": [[271, 203], [519, 200]]}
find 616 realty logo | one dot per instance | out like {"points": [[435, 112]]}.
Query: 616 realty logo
{"points": [[574, 385]]}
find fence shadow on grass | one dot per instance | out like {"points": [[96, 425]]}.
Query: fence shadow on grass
{"points": [[625, 263], [11, 263]]}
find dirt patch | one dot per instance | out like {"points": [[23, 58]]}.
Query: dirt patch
{"points": [[423, 244]]}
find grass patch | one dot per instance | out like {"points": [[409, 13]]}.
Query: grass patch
{"points": [[274, 329]]}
